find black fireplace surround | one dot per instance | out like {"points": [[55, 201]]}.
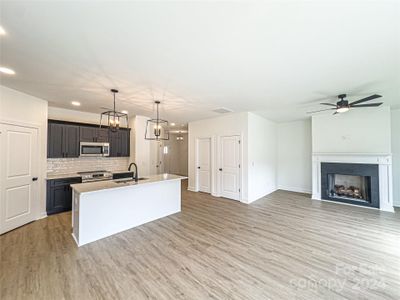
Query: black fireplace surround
{"points": [[350, 183]]}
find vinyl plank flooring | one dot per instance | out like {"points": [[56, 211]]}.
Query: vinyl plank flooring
{"points": [[283, 246]]}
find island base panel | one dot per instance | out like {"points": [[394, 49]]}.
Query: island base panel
{"points": [[100, 214]]}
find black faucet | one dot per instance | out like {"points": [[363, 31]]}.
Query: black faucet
{"points": [[136, 177]]}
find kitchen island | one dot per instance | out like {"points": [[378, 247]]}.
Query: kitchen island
{"points": [[104, 208]]}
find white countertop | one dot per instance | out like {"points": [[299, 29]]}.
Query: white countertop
{"points": [[96, 186]]}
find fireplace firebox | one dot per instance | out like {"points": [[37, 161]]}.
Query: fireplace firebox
{"points": [[350, 183]]}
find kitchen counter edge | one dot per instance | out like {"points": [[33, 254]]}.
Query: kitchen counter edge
{"points": [[92, 187]]}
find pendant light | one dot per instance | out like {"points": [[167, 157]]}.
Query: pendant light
{"points": [[179, 137], [114, 117], [157, 129]]}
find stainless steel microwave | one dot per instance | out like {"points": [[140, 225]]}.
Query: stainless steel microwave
{"points": [[94, 149]]}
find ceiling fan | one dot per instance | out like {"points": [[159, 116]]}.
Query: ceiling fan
{"points": [[343, 105]]}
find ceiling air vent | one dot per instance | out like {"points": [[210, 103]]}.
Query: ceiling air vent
{"points": [[222, 110]]}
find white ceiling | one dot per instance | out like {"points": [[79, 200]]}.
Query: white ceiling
{"points": [[279, 58]]}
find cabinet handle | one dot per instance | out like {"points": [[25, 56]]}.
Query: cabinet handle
{"points": [[220, 169], [198, 167]]}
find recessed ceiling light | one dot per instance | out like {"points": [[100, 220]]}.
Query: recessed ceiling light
{"points": [[172, 124], [2, 31], [76, 103], [124, 111], [7, 71]]}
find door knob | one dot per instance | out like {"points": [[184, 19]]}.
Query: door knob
{"points": [[34, 178], [220, 169]]}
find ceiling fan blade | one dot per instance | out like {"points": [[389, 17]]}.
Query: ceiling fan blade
{"points": [[316, 111], [366, 99], [328, 104], [367, 105]]}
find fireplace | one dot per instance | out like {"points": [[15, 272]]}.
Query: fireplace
{"points": [[350, 183], [352, 187]]}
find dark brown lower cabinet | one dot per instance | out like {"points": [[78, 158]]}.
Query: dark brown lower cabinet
{"points": [[59, 194]]}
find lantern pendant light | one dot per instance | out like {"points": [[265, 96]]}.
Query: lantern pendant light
{"points": [[114, 117], [180, 136], [157, 129]]}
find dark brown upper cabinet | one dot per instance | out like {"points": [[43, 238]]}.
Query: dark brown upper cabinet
{"points": [[120, 143], [93, 134], [63, 140]]}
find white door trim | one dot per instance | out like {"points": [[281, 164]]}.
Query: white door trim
{"points": [[36, 208], [219, 163], [40, 214], [19, 123], [212, 147]]}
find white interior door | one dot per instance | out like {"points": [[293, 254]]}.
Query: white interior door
{"points": [[204, 165], [162, 151], [230, 167], [156, 157], [19, 172]]}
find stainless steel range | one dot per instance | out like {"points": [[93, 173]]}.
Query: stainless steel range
{"points": [[99, 175]]}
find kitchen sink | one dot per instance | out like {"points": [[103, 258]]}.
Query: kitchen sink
{"points": [[129, 180]]}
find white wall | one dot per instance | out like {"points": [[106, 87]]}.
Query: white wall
{"points": [[22, 108], [183, 152], [71, 115], [232, 124], [294, 156], [357, 131], [262, 154], [141, 155], [144, 151], [396, 156]]}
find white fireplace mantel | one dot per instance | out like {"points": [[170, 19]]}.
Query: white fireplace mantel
{"points": [[383, 160]]}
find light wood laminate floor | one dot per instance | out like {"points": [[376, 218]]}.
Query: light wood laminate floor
{"points": [[284, 246]]}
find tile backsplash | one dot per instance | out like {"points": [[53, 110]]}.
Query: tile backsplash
{"points": [[73, 165]]}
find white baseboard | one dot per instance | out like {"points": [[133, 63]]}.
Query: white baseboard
{"points": [[258, 198], [42, 215], [315, 197], [294, 189], [192, 189]]}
